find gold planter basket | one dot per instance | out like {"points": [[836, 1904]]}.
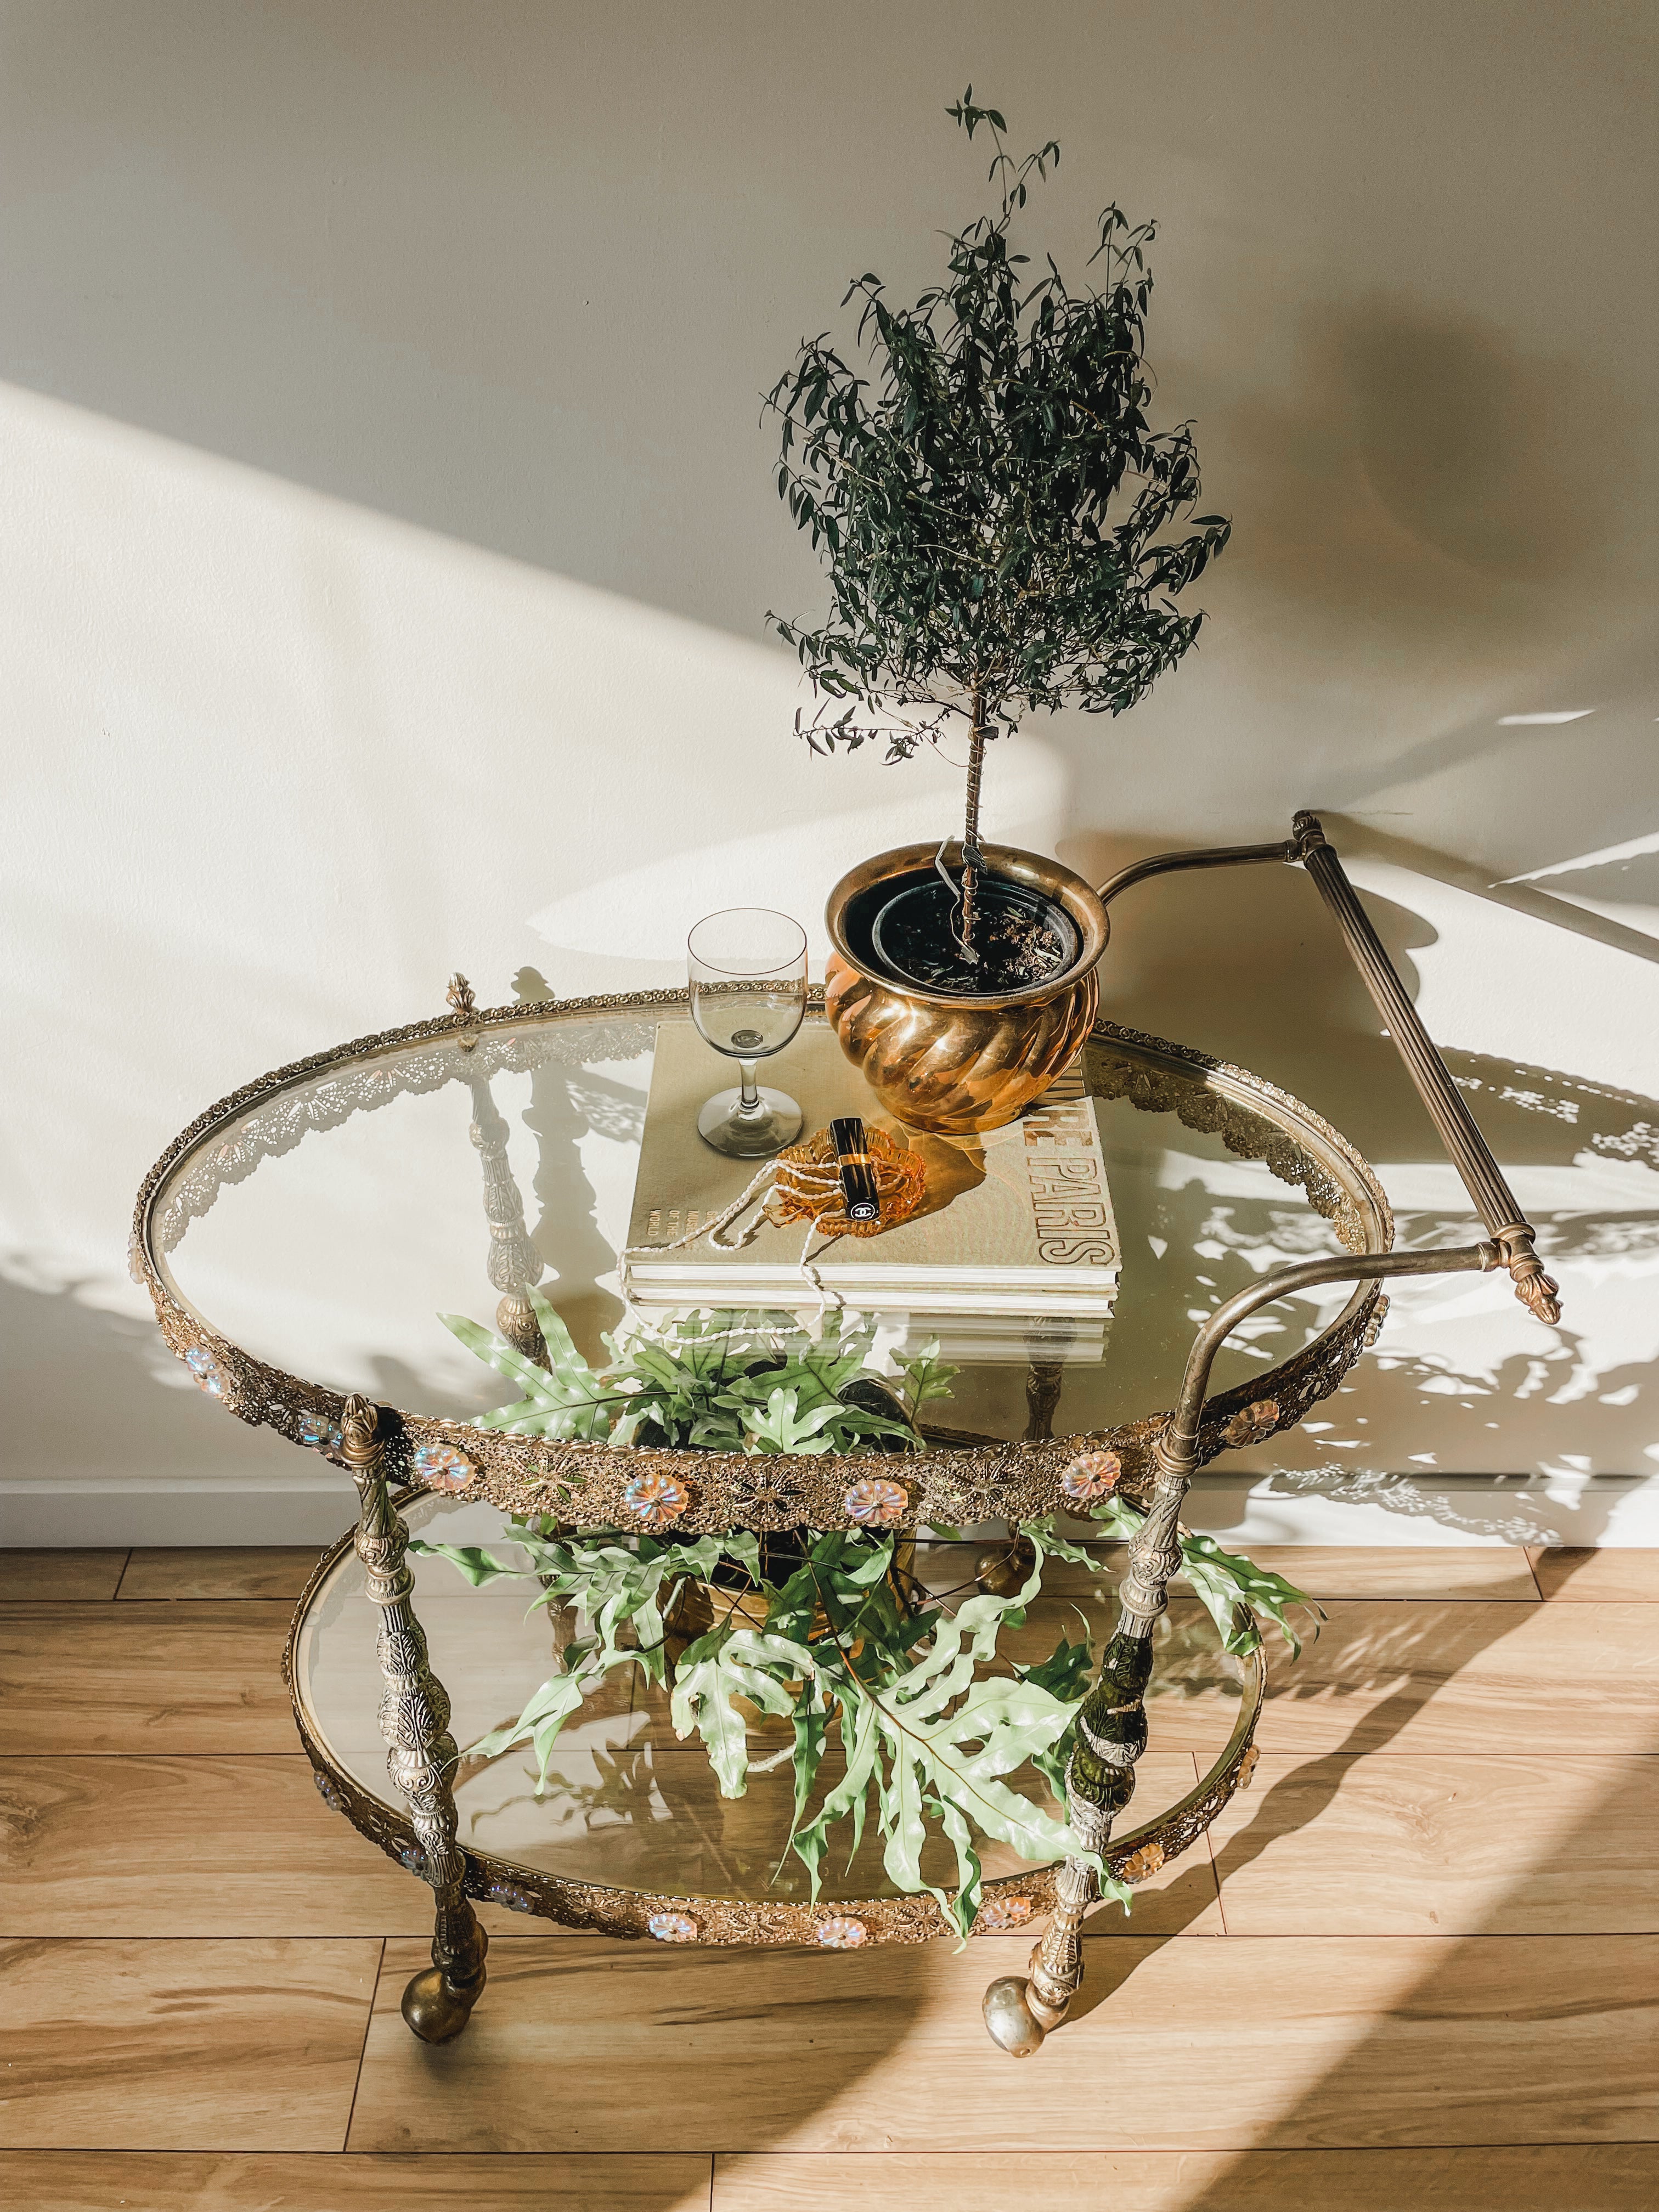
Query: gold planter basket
{"points": [[952, 1062]]}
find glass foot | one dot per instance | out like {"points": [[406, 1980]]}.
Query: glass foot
{"points": [[749, 1133]]}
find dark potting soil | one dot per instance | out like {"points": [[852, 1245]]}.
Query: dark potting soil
{"points": [[1020, 936]]}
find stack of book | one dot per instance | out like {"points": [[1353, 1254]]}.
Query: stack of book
{"points": [[1013, 1255]]}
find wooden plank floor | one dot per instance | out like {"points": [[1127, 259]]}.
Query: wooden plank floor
{"points": [[1419, 1965]]}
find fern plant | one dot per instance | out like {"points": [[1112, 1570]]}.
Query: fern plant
{"points": [[750, 1382], [847, 1651], [927, 1737]]}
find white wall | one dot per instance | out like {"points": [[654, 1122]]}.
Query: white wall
{"points": [[388, 532]]}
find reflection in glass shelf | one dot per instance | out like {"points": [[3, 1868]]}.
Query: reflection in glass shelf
{"points": [[328, 1227], [628, 1804]]}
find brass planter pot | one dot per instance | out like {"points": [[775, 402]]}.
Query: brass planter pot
{"points": [[950, 1062]]}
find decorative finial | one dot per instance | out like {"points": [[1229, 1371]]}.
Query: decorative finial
{"points": [[1307, 833], [1536, 1291], [463, 1003], [359, 1419]]}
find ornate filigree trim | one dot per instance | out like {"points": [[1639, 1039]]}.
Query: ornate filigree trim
{"points": [[1210, 1096], [960, 1479]]}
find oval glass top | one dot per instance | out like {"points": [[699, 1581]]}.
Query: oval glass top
{"points": [[627, 1805], [326, 1228]]}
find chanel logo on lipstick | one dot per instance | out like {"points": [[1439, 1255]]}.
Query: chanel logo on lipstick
{"points": [[857, 1176]]}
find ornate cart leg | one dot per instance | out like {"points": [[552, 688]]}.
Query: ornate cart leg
{"points": [[1100, 1777], [1043, 1378], [515, 1265], [415, 1722], [1111, 1724]]}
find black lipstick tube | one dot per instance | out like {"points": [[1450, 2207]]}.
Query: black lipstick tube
{"points": [[858, 1174]]}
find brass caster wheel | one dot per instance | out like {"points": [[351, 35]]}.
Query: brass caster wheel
{"points": [[434, 2008], [1010, 2019]]}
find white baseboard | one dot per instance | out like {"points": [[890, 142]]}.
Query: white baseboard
{"points": [[1415, 1508], [316, 1507], [120, 1516]]}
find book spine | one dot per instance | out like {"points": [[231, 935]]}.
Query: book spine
{"points": [[1069, 1202]]}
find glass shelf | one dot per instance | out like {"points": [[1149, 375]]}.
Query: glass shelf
{"points": [[626, 1806], [326, 1228]]}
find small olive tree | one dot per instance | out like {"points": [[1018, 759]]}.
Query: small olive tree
{"points": [[996, 515]]}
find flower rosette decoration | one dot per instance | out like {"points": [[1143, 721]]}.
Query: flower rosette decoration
{"points": [[1000, 1913], [1092, 1476], [208, 1370], [319, 1432], [327, 1791], [673, 1927], [842, 1933], [1140, 1865], [1254, 1423], [877, 1504], [437, 1465], [514, 1895], [655, 1501]]}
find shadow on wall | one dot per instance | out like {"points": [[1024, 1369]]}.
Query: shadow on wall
{"points": [[1462, 1379], [1421, 476], [89, 1393], [1610, 898], [275, 255], [1245, 964], [478, 277], [1433, 528], [565, 1105], [432, 270], [1438, 505]]}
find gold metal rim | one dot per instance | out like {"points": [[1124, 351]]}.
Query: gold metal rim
{"points": [[601, 1909], [958, 1485]]}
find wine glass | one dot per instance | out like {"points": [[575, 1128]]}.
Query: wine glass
{"points": [[748, 974]]}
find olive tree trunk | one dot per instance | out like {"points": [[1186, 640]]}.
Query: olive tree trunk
{"points": [[970, 852]]}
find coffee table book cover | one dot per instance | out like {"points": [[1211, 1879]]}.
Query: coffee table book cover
{"points": [[1013, 1254]]}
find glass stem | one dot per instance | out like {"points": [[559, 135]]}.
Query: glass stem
{"points": [[749, 1098]]}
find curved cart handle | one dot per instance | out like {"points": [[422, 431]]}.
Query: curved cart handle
{"points": [[1469, 1150], [1175, 1452], [1203, 856]]}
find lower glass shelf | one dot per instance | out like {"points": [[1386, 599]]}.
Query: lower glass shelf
{"points": [[629, 1808]]}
